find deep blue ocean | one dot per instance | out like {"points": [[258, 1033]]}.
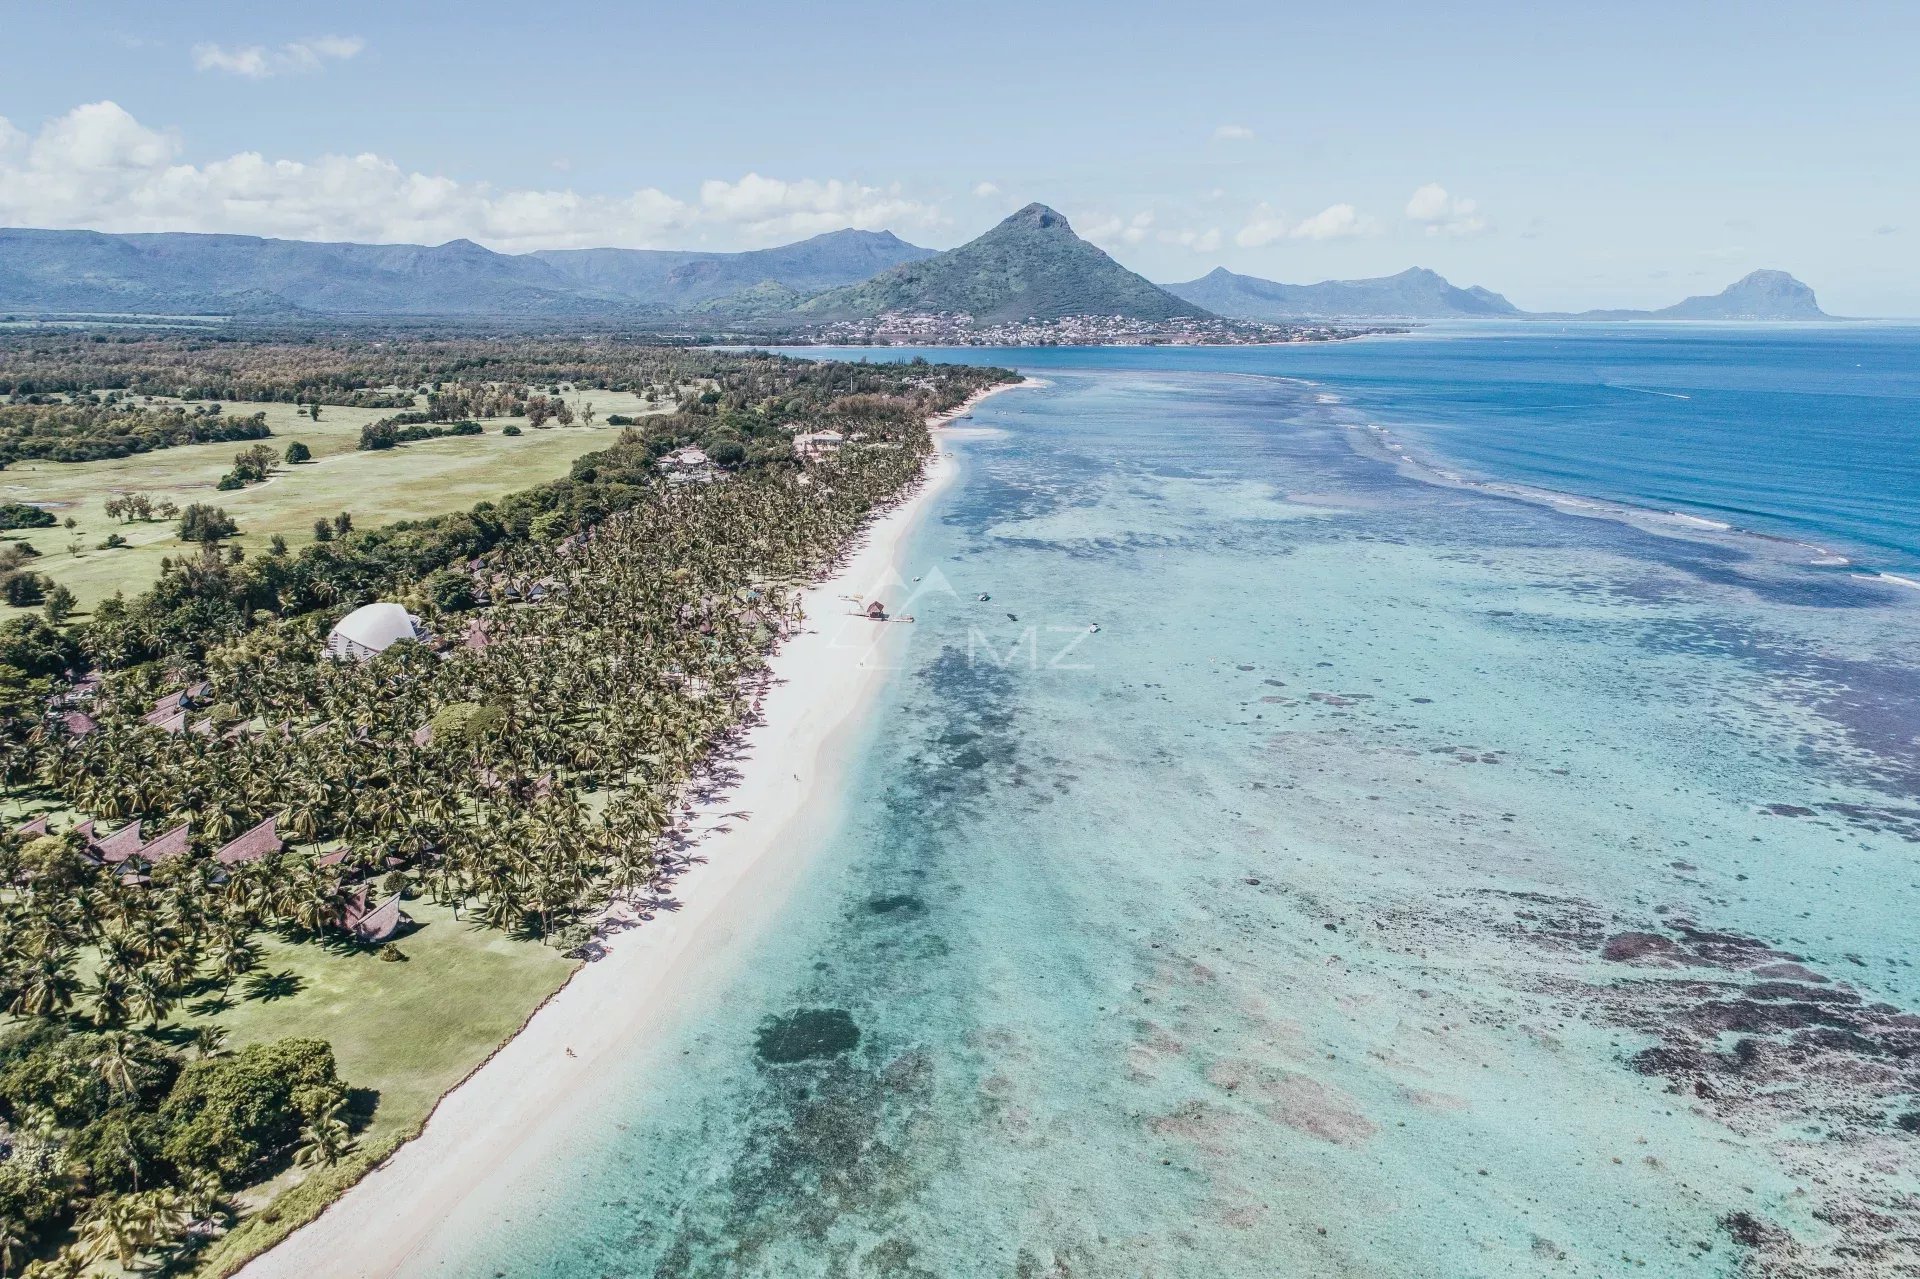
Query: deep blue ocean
{"points": [[1809, 432], [1408, 879]]}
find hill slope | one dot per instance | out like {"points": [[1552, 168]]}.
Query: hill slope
{"points": [[1413, 294], [673, 278], [1030, 265]]}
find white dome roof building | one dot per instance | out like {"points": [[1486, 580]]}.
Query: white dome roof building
{"points": [[372, 629]]}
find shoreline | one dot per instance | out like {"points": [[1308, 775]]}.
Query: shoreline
{"points": [[748, 844]]}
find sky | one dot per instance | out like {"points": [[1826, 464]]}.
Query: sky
{"points": [[1568, 156]]}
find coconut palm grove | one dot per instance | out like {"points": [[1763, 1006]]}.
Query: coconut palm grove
{"points": [[220, 794]]}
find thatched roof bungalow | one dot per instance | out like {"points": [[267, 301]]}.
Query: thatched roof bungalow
{"points": [[251, 846], [370, 923], [169, 845], [120, 845]]}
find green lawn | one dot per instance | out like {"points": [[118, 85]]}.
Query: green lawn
{"points": [[429, 477], [407, 1031]]}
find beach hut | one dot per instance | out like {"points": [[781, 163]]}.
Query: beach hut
{"points": [[370, 630], [877, 611]]}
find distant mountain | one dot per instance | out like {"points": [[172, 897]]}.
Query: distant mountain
{"points": [[173, 273], [685, 279], [1761, 295], [1031, 265], [1415, 294]]}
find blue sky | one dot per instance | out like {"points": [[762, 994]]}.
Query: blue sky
{"points": [[1567, 156]]}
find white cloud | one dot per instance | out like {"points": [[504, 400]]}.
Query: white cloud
{"points": [[985, 190], [98, 167], [1335, 222], [1266, 227], [1429, 203], [1233, 133], [1206, 241], [1444, 214], [257, 62], [769, 209], [1109, 230]]}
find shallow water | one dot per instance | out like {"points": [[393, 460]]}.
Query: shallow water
{"points": [[1402, 881]]}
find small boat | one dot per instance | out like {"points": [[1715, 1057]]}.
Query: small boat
{"points": [[984, 597], [1094, 629]]}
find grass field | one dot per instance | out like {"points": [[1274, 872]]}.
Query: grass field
{"points": [[429, 477], [407, 1032]]}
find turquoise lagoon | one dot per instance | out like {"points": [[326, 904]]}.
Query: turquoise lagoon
{"points": [[1404, 880]]}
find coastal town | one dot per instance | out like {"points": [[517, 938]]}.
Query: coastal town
{"points": [[957, 328]]}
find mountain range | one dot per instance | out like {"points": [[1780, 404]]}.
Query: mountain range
{"points": [[1419, 294], [1030, 266], [182, 273], [1412, 294]]}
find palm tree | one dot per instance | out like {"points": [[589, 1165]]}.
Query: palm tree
{"points": [[46, 984], [148, 999], [114, 1228], [117, 1061], [108, 997], [324, 1140], [12, 1246], [68, 1263]]}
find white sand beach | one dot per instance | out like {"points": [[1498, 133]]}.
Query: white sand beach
{"points": [[483, 1132]]}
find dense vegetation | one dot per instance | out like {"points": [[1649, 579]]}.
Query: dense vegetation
{"points": [[598, 637], [409, 427], [86, 430]]}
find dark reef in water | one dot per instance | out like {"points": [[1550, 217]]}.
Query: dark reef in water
{"points": [[1764, 1041], [805, 1034]]}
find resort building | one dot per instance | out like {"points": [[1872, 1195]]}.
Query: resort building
{"points": [[817, 443], [688, 466], [370, 630]]}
